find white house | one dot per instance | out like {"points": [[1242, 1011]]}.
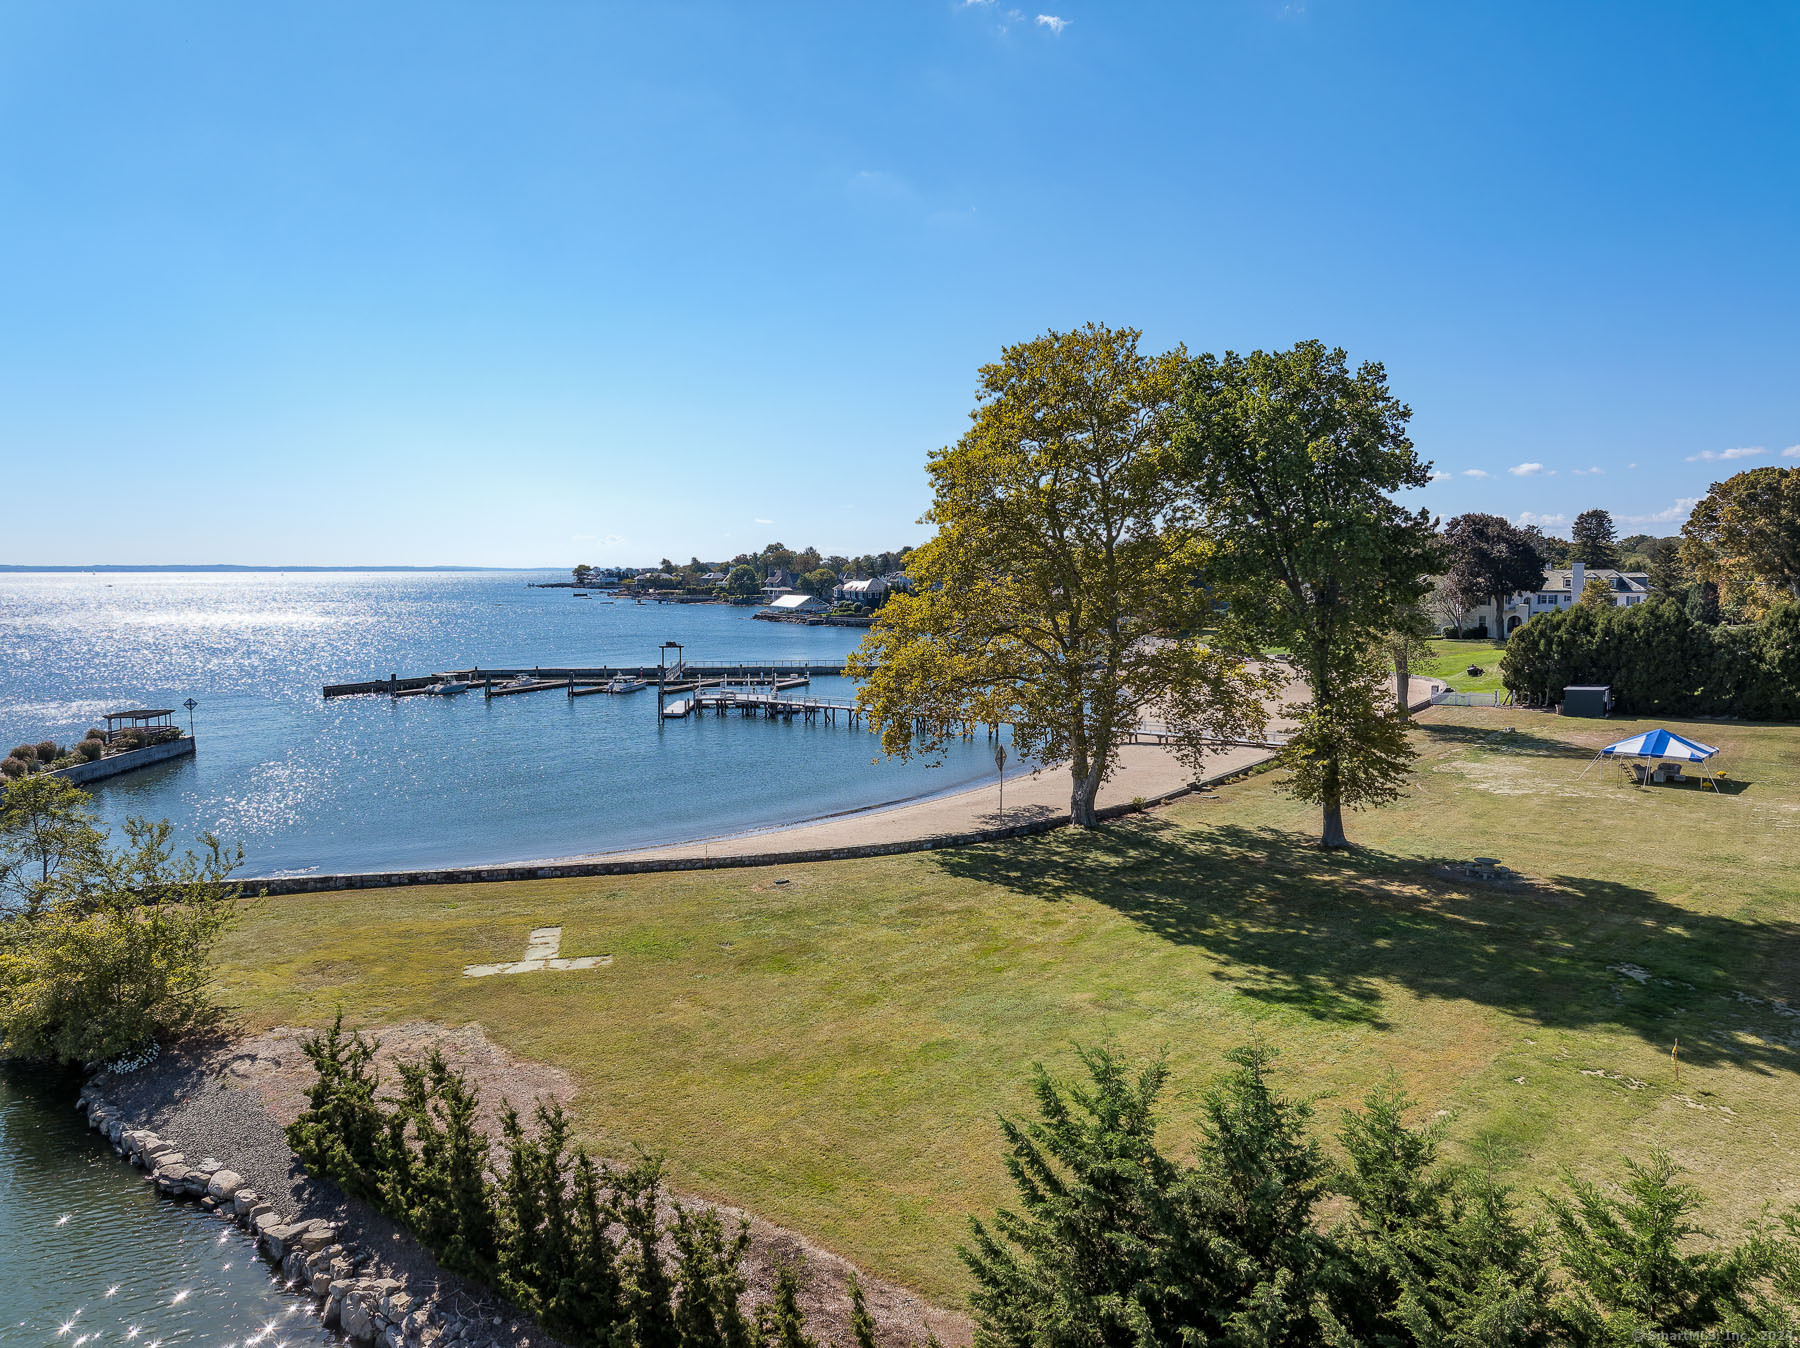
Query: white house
{"points": [[1561, 588], [869, 593], [796, 603]]}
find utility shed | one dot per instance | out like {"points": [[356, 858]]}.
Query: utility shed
{"points": [[1593, 699]]}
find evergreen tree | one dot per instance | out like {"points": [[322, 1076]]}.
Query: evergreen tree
{"points": [[595, 1300], [521, 1213], [1096, 1253], [1631, 1259], [862, 1324], [779, 1323], [340, 1133], [1433, 1256], [648, 1288], [1596, 540], [1252, 1199], [710, 1310]]}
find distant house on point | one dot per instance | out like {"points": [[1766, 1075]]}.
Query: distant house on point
{"points": [[796, 603]]}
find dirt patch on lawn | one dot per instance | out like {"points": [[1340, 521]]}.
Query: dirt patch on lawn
{"points": [[273, 1069]]}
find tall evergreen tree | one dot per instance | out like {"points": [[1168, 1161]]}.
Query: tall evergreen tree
{"points": [[1596, 540], [862, 1324], [709, 1311]]}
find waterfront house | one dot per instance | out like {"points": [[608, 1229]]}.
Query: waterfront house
{"points": [[789, 605], [868, 593]]}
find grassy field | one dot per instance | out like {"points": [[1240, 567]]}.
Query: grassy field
{"points": [[832, 1051], [1450, 661]]}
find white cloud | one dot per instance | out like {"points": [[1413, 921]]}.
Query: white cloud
{"points": [[1053, 22], [1791, 452], [1726, 455], [1526, 469], [1440, 476], [1631, 465], [1476, 472], [1675, 514], [1542, 521], [760, 520], [1588, 472]]}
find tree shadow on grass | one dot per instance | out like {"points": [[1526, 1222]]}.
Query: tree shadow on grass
{"points": [[1498, 739], [1327, 934]]}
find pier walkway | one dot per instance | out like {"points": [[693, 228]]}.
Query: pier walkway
{"points": [[691, 672]]}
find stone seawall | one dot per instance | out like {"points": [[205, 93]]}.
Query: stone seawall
{"points": [[566, 870], [130, 761], [310, 1254]]}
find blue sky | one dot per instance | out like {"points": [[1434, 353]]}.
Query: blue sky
{"points": [[546, 282]]}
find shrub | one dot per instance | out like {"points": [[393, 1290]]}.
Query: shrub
{"points": [[13, 766], [25, 752], [90, 751], [108, 949], [94, 733], [47, 751], [582, 1248]]}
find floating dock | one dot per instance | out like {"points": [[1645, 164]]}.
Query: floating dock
{"points": [[760, 672]]}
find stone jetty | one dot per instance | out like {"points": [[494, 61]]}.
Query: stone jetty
{"points": [[310, 1254]]}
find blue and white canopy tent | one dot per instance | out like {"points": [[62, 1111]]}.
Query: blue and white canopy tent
{"points": [[1656, 747]]}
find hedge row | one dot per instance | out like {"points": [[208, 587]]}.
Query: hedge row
{"points": [[1660, 661]]}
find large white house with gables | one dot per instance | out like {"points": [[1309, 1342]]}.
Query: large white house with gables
{"points": [[1561, 588]]}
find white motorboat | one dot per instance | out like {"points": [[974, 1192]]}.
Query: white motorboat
{"points": [[620, 684], [448, 687]]}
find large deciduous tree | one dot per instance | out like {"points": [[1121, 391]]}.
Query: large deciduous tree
{"points": [[1060, 589], [1293, 456], [1596, 541], [1744, 537], [1492, 557]]}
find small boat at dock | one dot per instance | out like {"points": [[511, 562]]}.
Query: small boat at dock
{"points": [[448, 687], [619, 683]]}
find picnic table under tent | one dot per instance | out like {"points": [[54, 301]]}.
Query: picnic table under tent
{"points": [[1665, 749]]}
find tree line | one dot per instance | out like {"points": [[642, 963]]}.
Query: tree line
{"points": [[584, 1247], [1262, 1240]]}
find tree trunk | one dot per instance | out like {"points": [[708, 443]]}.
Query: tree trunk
{"points": [[1402, 680], [1331, 834]]}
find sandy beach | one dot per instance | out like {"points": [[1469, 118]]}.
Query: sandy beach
{"points": [[1144, 772]]}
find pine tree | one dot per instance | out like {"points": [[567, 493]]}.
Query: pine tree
{"points": [[595, 1302], [452, 1207], [1433, 1256], [1596, 541], [1632, 1260], [1095, 1253], [710, 1311], [648, 1289], [339, 1134], [1252, 1200], [779, 1323], [862, 1324], [521, 1214]]}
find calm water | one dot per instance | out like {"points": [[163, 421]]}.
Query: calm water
{"points": [[89, 1255], [370, 783]]}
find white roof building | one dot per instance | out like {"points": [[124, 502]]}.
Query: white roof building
{"points": [[796, 603]]}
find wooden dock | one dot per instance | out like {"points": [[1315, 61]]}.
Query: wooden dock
{"points": [[744, 702], [692, 671]]}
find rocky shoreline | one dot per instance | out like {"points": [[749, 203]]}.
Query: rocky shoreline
{"points": [[205, 1122], [309, 1252]]}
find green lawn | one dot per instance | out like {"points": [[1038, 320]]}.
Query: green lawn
{"points": [[832, 1052], [1450, 662]]}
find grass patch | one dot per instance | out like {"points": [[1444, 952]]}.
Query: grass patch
{"points": [[1450, 661], [832, 1052]]}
